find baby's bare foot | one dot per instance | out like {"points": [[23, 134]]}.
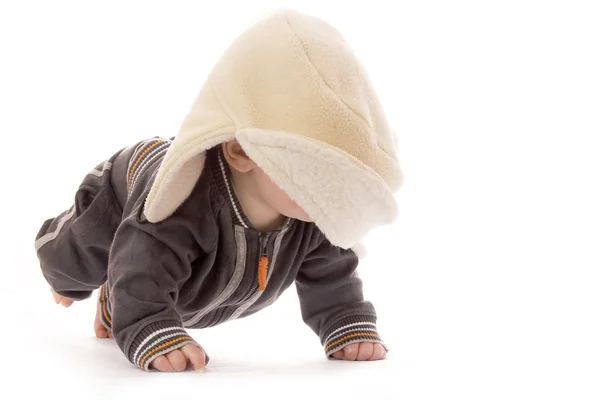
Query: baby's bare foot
{"points": [[58, 299], [99, 329]]}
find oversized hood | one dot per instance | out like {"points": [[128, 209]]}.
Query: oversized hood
{"points": [[301, 105]]}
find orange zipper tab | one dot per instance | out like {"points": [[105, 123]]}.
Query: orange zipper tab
{"points": [[262, 272]]}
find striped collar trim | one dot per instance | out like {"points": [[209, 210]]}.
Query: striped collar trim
{"points": [[222, 178], [224, 182]]}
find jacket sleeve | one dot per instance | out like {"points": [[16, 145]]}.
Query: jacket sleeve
{"points": [[145, 273], [331, 298]]}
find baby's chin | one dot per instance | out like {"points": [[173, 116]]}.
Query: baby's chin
{"points": [[299, 214], [291, 209], [303, 218]]}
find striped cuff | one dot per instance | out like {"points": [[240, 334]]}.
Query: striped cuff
{"points": [[105, 309], [156, 339], [351, 330]]}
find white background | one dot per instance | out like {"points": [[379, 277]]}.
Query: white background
{"points": [[487, 286]]}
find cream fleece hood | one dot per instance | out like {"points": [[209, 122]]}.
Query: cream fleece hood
{"points": [[299, 102]]}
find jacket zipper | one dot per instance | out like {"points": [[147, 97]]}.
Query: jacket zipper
{"points": [[263, 265], [264, 240], [259, 277]]}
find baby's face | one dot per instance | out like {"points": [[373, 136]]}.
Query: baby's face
{"points": [[258, 185], [277, 198]]}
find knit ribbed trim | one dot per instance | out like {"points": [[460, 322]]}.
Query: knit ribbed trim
{"points": [[156, 339], [153, 340], [105, 311], [145, 154], [350, 330], [222, 179]]}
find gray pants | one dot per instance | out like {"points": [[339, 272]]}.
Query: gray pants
{"points": [[73, 247]]}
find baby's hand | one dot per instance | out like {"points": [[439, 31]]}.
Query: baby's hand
{"points": [[361, 352], [178, 360]]}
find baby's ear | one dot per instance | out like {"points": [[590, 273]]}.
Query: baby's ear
{"points": [[236, 156]]}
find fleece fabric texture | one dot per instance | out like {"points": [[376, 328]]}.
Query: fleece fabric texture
{"points": [[293, 93]]}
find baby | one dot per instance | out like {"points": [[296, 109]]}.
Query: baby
{"points": [[283, 163]]}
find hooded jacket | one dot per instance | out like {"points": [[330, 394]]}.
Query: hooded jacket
{"points": [[158, 227]]}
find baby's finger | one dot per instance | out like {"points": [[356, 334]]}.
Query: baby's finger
{"points": [[351, 351], [195, 355], [378, 352], [162, 364], [365, 351], [338, 355], [177, 360]]}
